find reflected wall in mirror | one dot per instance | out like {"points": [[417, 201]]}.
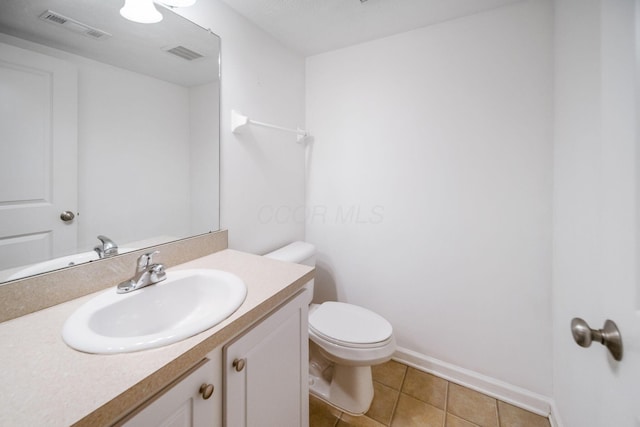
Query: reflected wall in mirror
{"points": [[113, 122]]}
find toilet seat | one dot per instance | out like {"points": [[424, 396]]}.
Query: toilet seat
{"points": [[349, 325]]}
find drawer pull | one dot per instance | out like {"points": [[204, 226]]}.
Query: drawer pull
{"points": [[206, 390], [238, 364]]}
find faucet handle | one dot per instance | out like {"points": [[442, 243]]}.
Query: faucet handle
{"points": [[107, 248], [145, 260], [157, 273], [107, 242]]}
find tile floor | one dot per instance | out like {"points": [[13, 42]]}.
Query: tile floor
{"points": [[406, 397]]}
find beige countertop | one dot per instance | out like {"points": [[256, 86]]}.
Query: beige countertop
{"points": [[44, 382]]}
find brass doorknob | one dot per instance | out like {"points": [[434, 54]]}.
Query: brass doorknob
{"points": [[206, 390], [239, 364], [608, 336]]}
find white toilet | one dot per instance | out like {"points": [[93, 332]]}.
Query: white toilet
{"points": [[345, 340]]}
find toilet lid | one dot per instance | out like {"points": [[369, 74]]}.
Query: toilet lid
{"points": [[349, 323]]}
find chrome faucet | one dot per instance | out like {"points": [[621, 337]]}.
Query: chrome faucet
{"points": [[107, 249], [146, 274]]}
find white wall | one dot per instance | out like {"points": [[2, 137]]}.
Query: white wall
{"points": [[429, 187], [132, 155], [204, 156], [260, 169]]}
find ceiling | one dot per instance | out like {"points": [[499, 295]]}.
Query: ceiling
{"points": [[137, 47], [315, 26]]}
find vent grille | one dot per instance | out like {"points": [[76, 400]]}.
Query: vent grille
{"points": [[184, 53], [96, 34], [49, 16], [73, 25]]}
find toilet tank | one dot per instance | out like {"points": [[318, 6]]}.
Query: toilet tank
{"points": [[297, 252]]}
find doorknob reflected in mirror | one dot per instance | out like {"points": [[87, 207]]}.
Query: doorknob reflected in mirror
{"points": [[67, 216], [608, 336]]}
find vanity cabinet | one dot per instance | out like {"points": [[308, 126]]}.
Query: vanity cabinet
{"points": [[259, 379], [192, 400], [266, 370]]}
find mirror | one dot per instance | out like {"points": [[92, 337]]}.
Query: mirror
{"points": [[107, 128]]}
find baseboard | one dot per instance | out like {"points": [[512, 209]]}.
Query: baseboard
{"points": [[501, 390], [554, 417]]}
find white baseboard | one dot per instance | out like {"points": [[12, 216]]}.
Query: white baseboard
{"points": [[525, 399], [554, 417]]}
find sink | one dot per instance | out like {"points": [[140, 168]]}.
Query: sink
{"points": [[58, 263], [185, 304], [54, 264]]}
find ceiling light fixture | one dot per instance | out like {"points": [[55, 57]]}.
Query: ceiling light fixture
{"points": [[145, 12], [178, 3], [142, 11]]}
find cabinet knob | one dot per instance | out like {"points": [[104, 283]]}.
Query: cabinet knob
{"points": [[206, 390], [238, 364]]}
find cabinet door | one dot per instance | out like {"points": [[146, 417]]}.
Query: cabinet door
{"points": [[182, 404], [266, 370]]}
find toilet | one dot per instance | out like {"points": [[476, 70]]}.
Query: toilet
{"points": [[345, 340]]}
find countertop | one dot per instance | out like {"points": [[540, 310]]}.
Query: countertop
{"points": [[45, 382]]}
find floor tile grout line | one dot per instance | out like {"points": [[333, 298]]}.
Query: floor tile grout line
{"points": [[395, 404], [468, 420], [385, 424], [446, 406]]}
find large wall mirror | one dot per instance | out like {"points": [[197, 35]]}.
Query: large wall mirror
{"points": [[107, 128]]}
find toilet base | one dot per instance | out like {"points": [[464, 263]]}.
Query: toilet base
{"points": [[348, 388]]}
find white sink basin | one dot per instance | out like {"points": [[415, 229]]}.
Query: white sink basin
{"points": [[54, 264], [58, 263], [185, 304]]}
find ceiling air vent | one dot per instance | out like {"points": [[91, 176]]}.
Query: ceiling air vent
{"points": [[73, 25], [184, 53]]}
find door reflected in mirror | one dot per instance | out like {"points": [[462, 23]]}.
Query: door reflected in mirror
{"points": [[114, 122]]}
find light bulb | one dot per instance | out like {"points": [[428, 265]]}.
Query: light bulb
{"points": [[178, 3], [142, 11]]}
